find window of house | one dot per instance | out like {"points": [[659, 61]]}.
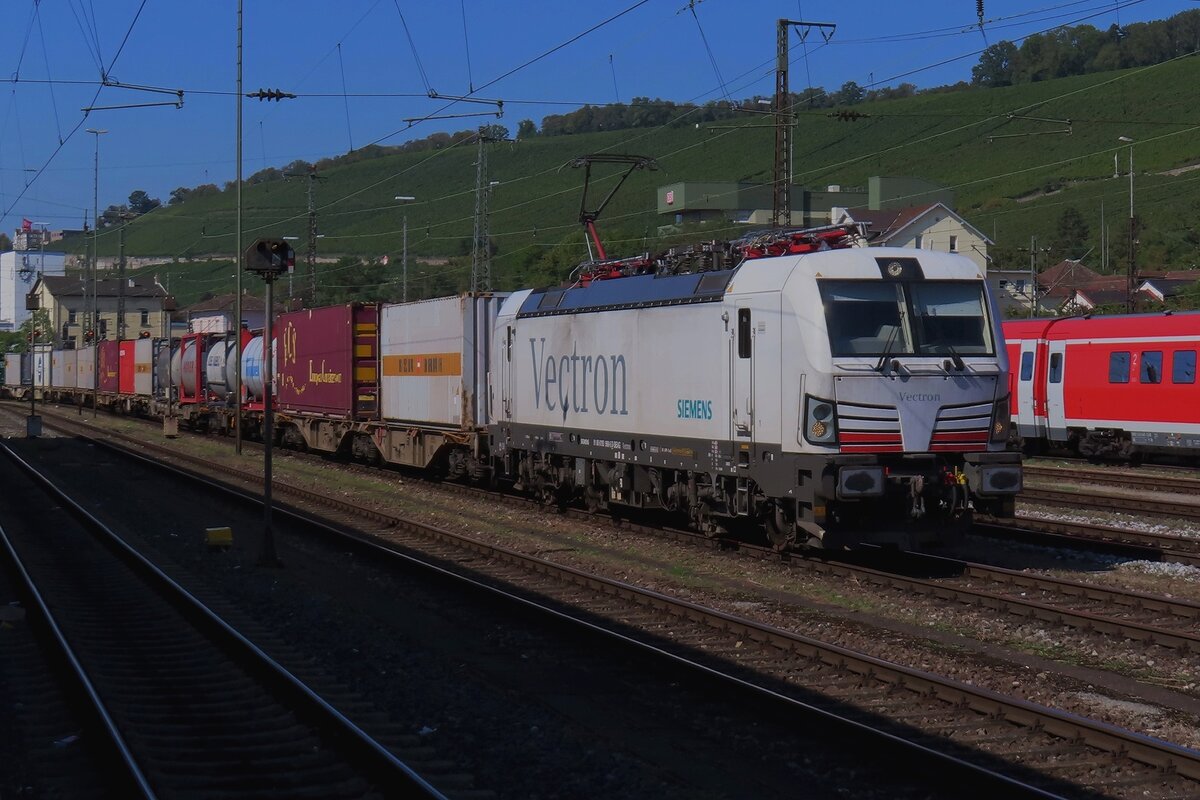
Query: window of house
{"points": [[145, 316], [953, 243], [1027, 365], [103, 328], [71, 316], [1151, 369], [919, 241], [1183, 366], [1118, 367]]}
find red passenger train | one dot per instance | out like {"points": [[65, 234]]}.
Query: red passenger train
{"points": [[1107, 386]]}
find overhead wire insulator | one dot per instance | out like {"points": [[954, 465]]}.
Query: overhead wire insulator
{"points": [[271, 94]]}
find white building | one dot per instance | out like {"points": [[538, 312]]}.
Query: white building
{"points": [[18, 272]]}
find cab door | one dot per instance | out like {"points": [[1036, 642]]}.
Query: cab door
{"points": [[506, 373], [741, 376]]}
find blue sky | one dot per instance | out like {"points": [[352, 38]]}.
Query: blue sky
{"points": [[330, 52]]}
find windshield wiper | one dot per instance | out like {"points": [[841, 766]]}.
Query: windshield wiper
{"points": [[959, 364], [887, 349]]}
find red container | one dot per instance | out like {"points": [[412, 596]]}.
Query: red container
{"points": [[328, 361], [109, 367], [126, 365]]}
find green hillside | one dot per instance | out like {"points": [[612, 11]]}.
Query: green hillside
{"points": [[1010, 188]]}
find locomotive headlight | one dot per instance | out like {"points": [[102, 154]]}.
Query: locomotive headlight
{"points": [[820, 426], [1001, 419]]}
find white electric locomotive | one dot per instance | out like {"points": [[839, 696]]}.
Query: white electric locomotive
{"points": [[839, 396]]}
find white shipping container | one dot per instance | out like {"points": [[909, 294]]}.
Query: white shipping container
{"points": [[85, 368], [433, 360], [143, 366], [41, 366], [12, 369], [62, 369]]}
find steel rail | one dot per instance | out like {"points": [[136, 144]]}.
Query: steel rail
{"points": [[1167, 547], [1156, 481], [1109, 502], [64, 653], [379, 764]]}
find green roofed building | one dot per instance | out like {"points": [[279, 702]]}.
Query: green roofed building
{"points": [[750, 203]]}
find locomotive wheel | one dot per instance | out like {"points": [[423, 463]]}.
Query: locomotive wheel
{"points": [[593, 500], [781, 531]]}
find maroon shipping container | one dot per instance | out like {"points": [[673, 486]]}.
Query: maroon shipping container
{"points": [[109, 369], [328, 361]]}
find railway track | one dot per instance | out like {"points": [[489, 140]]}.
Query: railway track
{"points": [[1129, 615], [1019, 746], [1151, 480], [1096, 501], [185, 704], [1128, 542]]}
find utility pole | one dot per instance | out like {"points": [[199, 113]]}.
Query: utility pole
{"points": [[1131, 302], [96, 274], [781, 204], [121, 280], [310, 258], [1032, 276], [481, 250]]}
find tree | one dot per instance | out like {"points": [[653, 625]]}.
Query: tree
{"points": [[141, 203], [850, 94], [1072, 233], [5, 243], [995, 67], [526, 129]]}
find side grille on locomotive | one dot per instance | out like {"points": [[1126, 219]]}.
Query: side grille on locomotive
{"points": [[962, 428], [869, 429]]}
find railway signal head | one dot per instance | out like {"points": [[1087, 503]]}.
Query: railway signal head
{"points": [[270, 258]]}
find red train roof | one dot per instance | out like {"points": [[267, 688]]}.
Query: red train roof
{"points": [[1185, 323]]}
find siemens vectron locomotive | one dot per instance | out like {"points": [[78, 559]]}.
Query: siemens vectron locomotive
{"points": [[835, 395], [828, 394]]}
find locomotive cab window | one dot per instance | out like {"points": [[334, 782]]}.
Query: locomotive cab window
{"points": [[1151, 369], [1183, 366], [928, 318], [1118, 367]]}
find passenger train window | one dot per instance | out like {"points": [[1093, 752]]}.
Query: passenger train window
{"points": [[1118, 367], [1027, 365], [1151, 371], [1056, 367], [1183, 366]]}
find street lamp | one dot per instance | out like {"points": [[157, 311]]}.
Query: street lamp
{"points": [[1132, 269], [95, 272], [404, 198]]}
